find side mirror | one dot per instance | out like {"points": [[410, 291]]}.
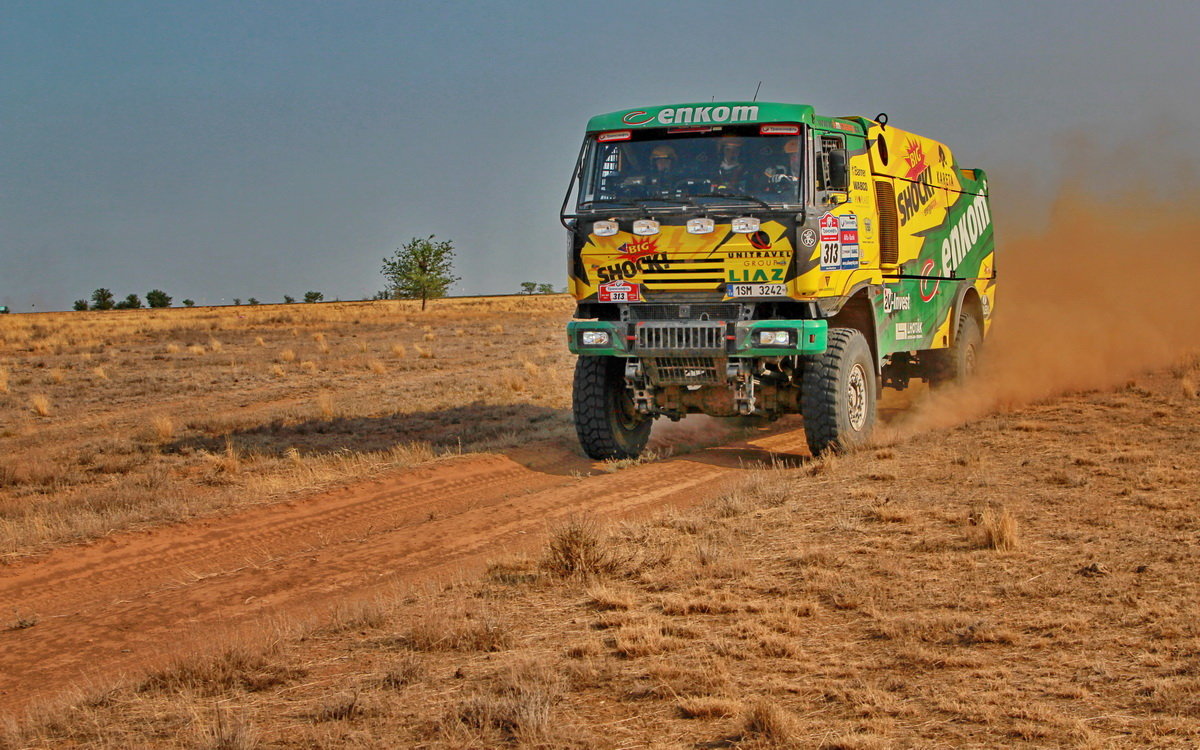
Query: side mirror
{"points": [[839, 177]]}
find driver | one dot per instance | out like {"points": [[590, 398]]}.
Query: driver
{"points": [[662, 173], [663, 160], [781, 175]]}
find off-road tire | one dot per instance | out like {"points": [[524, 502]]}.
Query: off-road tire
{"points": [[605, 420], [838, 393], [956, 364]]}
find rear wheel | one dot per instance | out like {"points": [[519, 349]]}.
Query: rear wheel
{"points": [[839, 393], [961, 360], [606, 421]]}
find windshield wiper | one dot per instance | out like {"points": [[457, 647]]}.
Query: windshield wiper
{"points": [[680, 200], [585, 204], [738, 196]]}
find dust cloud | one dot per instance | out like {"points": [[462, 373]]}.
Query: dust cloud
{"points": [[1104, 289]]}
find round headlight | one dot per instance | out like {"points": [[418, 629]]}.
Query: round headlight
{"points": [[745, 225]]}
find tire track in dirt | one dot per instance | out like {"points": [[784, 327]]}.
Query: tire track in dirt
{"points": [[130, 602]]}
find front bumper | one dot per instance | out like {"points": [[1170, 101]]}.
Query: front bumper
{"points": [[687, 338]]}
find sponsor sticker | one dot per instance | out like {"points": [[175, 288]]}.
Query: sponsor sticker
{"points": [[620, 291], [893, 302], [831, 242], [926, 292], [839, 242], [808, 237], [911, 330]]}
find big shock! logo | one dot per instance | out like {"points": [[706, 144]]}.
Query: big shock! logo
{"points": [[914, 156], [638, 248], [637, 255]]}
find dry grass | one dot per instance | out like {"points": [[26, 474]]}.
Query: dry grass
{"points": [[767, 720], [757, 620], [997, 529], [325, 405], [802, 607], [250, 375], [40, 404], [580, 547], [163, 428]]}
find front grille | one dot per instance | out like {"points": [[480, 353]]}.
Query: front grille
{"points": [[698, 311], [681, 336], [685, 370], [685, 273]]}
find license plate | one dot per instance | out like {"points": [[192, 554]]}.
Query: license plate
{"points": [[755, 290]]}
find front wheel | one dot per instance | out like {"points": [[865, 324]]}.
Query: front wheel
{"points": [[606, 421], [839, 392]]}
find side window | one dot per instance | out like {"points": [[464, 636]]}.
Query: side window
{"points": [[831, 163]]}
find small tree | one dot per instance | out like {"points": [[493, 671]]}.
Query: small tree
{"points": [[189, 303], [102, 299], [158, 298], [313, 296], [288, 300], [237, 300], [421, 269], [252, 301], [545, 289], [132, 302], [81, 304], [528, 287]]}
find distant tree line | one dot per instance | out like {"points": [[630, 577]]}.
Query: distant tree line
{"points": [[103, 299], [533, 287]]}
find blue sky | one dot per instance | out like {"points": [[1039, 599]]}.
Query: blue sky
{"points": [[255, 149]]}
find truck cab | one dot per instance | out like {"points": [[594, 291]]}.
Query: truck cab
{"points": [[755, 258]]}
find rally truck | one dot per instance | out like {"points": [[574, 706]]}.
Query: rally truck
{"points": [[755, 259]]}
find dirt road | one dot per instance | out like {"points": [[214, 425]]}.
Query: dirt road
{"points": [[134, 600]]}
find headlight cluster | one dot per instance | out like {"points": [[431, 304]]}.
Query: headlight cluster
{"points": [[774, 338], [594, 338]]}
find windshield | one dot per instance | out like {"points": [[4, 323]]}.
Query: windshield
{"points": [[658, 167]]}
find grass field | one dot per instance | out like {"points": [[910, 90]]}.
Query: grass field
{"points": [[117, 419], [1014, 565], [1028, 580]]}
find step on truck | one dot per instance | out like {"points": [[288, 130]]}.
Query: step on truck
{"points": [[755, 259]]}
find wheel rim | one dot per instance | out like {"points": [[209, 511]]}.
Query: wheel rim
{"points": [[969, 361], [856, 397]]}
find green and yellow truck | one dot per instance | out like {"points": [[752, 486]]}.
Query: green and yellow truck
{"points": [[757, 259]]}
